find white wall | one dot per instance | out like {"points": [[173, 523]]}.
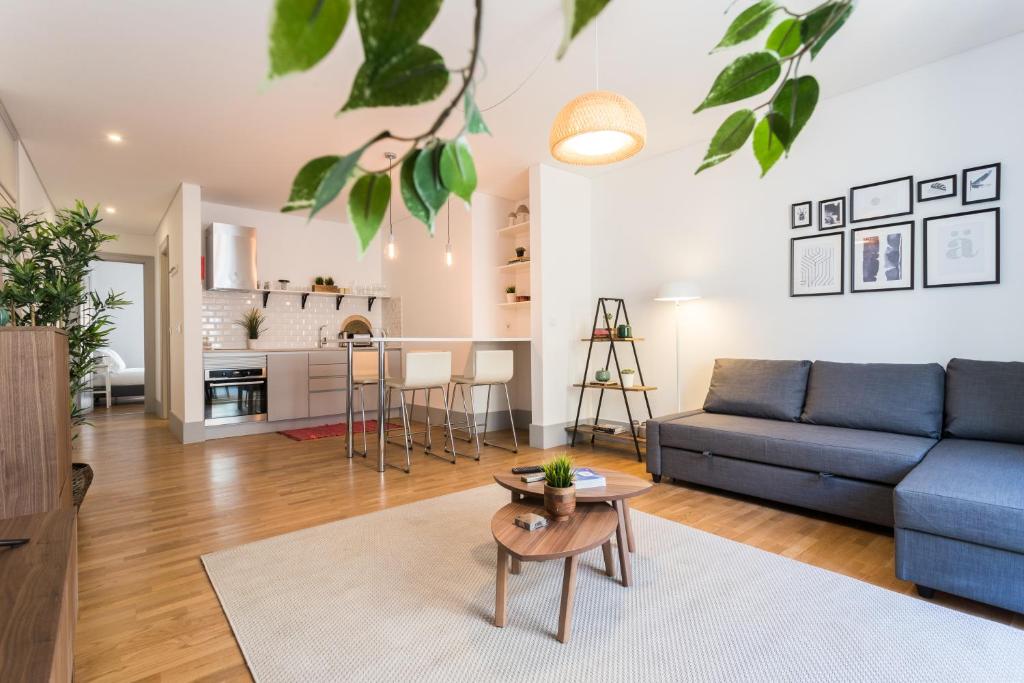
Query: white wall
{"points": [[291, 248], [8, 159], [128, 335], [729, 231], [32, 197]]}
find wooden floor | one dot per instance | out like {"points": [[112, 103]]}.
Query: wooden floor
{"points": [[148, 612]]}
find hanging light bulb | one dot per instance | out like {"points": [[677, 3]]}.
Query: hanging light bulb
{"points": [[392, 250], [448, 256], [598, 127]]}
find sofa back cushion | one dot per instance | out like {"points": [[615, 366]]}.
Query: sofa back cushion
{"points": [[758, 388], [985, 400], [885, 397]]}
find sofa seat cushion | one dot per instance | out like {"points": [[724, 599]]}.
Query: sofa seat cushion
{"points": [[858, 454], [887, 397], [967, 490]]}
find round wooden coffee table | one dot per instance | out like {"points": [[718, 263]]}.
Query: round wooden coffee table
{"points": [[618, 489], [590, 526]]}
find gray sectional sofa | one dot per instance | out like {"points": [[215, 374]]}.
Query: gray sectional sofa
{"points": [[936, 453]]}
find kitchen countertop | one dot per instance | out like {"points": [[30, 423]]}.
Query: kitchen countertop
{"points": [[396, 340]]}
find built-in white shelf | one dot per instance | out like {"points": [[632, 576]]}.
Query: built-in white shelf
{"points": [[517, 229], [518, 265], [514, 304]]}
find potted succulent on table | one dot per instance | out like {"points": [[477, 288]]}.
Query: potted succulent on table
{"points": [[510, 294], [254, 323], [559, 488], [628, 377]]}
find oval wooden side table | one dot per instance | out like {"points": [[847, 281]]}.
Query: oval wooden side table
{"points": [[592, 525], [618, 489]]}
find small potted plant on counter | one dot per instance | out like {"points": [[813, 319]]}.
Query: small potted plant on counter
{"points": [[254, 323], [628, 377], [559, 488], [510, 294]]}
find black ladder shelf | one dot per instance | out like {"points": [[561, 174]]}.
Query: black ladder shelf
{"points": [[620, 312]]}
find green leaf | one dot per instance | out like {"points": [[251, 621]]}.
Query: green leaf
{"points": [[746, 76], [415, 76], [784, 38], [730, 136], [749, 23], [767, 147], [821, 24], [417, 207], [334, 181], [458, 172], [306, 181], [794, 105], [391, 27], [303, 32], [367, 203], [474, 121], [427, 179], [578, 13]]}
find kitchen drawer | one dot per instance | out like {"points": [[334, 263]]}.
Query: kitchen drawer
{"points": [[326, 383], [326, 403], [326, 357], [330, 370]]}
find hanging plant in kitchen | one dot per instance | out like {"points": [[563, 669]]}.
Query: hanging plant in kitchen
{"points": [[793, 101], [398, 70]]}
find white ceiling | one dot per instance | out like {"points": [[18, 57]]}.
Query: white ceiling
{"points": [[184, 82]]}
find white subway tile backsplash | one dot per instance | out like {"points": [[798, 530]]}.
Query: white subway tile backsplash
{"points": [[289, 326]]}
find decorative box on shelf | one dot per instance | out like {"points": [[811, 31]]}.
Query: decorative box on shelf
{"points": [[330, 289]]}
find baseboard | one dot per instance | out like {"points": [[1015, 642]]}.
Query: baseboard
{"points": [[246, 428], [497, 420], [186, 432]]}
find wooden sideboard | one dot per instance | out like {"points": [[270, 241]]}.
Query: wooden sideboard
{"points": [[39, 599], [35, 421]]}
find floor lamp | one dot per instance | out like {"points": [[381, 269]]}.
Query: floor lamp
{"points": [[677, 293]]}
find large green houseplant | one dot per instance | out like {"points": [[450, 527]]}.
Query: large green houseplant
{"points": [[44, 267]]}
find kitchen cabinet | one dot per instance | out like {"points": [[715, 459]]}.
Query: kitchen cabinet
{"points": [[327, 378], [287, 386]]}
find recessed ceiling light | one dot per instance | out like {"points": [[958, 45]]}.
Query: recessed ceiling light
{"points": [[115, 137], [111, 209]]}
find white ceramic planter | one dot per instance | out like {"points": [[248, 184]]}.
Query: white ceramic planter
{"points": [[510, 298], [628, 380], [258, 344]]}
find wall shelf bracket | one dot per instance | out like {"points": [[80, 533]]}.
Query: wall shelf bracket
{"points": [[266, 295], [369, 303], [337, 301], [305, 295]]}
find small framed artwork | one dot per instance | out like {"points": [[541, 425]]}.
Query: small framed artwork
{"points": [[962, 249], [800, 215], [981, 184], [936, 188], [884, 199], [832, 213], [816, 265], [882, 258]]}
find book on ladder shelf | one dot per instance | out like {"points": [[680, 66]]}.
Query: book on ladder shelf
{"points": [[617, 330]]}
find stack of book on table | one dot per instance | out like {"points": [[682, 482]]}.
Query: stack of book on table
{"points": [[587, 478]]}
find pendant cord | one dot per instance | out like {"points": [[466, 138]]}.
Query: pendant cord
{"points": [[391, 156], [449, 212], [597, 53]]}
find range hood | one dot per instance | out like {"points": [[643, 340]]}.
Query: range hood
{"points": [[231, 257]]}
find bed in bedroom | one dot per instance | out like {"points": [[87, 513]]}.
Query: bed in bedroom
{"points": [[124, 382]]}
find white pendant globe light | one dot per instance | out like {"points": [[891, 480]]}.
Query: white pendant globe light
{"points": [[597, 127]]}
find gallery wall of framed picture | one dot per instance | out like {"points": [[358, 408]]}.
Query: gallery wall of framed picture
{"points": [[958, 248]]}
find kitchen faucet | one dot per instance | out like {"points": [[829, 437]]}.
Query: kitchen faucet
{"points": [[321, 337]]}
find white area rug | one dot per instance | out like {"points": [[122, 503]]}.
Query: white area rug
{"points": [[407, 594]]}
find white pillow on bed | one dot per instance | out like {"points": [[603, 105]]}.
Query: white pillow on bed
{"points": [[114, 359]]}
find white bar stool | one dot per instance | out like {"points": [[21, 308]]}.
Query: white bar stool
{"points": [[364, 374], [486, 368], [426, 370]]}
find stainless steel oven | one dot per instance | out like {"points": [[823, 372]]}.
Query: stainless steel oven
{"points": [[235, 388]]}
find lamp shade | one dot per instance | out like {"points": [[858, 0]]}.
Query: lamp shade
{"points": [[677, 291], [598, 127]]}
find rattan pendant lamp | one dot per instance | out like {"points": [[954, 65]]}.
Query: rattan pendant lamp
{"points": [[598, 127]]}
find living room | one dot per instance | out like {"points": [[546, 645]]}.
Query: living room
{"points": [[812, 467]]}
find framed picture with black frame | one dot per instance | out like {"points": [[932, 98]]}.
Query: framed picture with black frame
{"points": [[816, 265], [962, 249], [936, 188], [981, 184], [884, 199], [882, 258], [800, 215], [832, 213]]}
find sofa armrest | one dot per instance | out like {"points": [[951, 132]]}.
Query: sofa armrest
{"points": [[654, 439]]}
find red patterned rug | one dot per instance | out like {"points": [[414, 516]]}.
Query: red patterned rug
{"points": [[337, 429]]}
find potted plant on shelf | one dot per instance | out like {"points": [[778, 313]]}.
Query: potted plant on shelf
{"points": [[324, 284], [559, 488], [254, 323], [510, 294], [628, 377]]}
